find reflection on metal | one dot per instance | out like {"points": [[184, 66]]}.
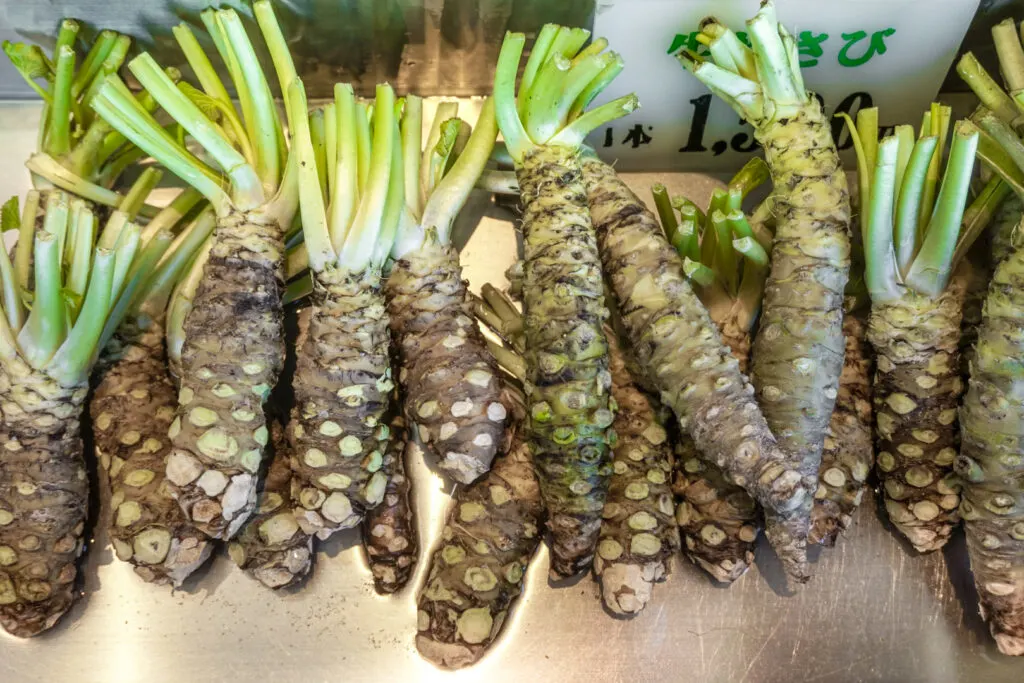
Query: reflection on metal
{"points": [[435, 47]]}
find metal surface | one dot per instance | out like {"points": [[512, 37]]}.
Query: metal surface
{"points": [[874, 611]]}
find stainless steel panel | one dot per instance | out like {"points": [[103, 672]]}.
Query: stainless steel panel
{"points": [[873, 612]]}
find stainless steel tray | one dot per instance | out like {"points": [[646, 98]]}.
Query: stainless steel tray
{"points": [[874, 611]]}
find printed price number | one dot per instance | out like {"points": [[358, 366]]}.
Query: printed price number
{"points": [[744, 142]]}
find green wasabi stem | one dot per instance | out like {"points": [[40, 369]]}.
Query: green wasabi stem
{"points": [[78, 276], [136, 283], [571, 447], [181, 305], [435, 159], [261, 119], [796, 365], [201, 65], [178, 256], [1011, 58], [448, 379], [905, 135], [614, 66], [45, 328], [58, 136], [358, 249], [446, 111], [449, 195], [999, 161], [69, 137], [10, 297], [363, 143], [910, 200], [915, 326], [509, 331], [992, 96], [538, 56], [49, 355], [699, 273], [687, 240], [73, 360], [752, 174], [319, 252], [881, 273], [346, 193], [394, 202], [124, 253], [318, 138], [867, 131], [115, 104], [330, 111], [243, 272], [412, 135], [938, 127], [247, 189], [1001, 134]]}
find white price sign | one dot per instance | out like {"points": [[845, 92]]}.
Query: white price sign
{"points": [[893, 54]]}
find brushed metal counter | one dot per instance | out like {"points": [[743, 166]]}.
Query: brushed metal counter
{"points": [[874, 610]]}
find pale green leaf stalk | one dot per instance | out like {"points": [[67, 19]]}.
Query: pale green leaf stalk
{"points": [[219, 433]]}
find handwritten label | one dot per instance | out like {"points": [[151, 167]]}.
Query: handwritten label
{"points": [[892, 54]]}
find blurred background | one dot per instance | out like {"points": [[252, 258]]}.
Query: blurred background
{"points": [[438, 47]]}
